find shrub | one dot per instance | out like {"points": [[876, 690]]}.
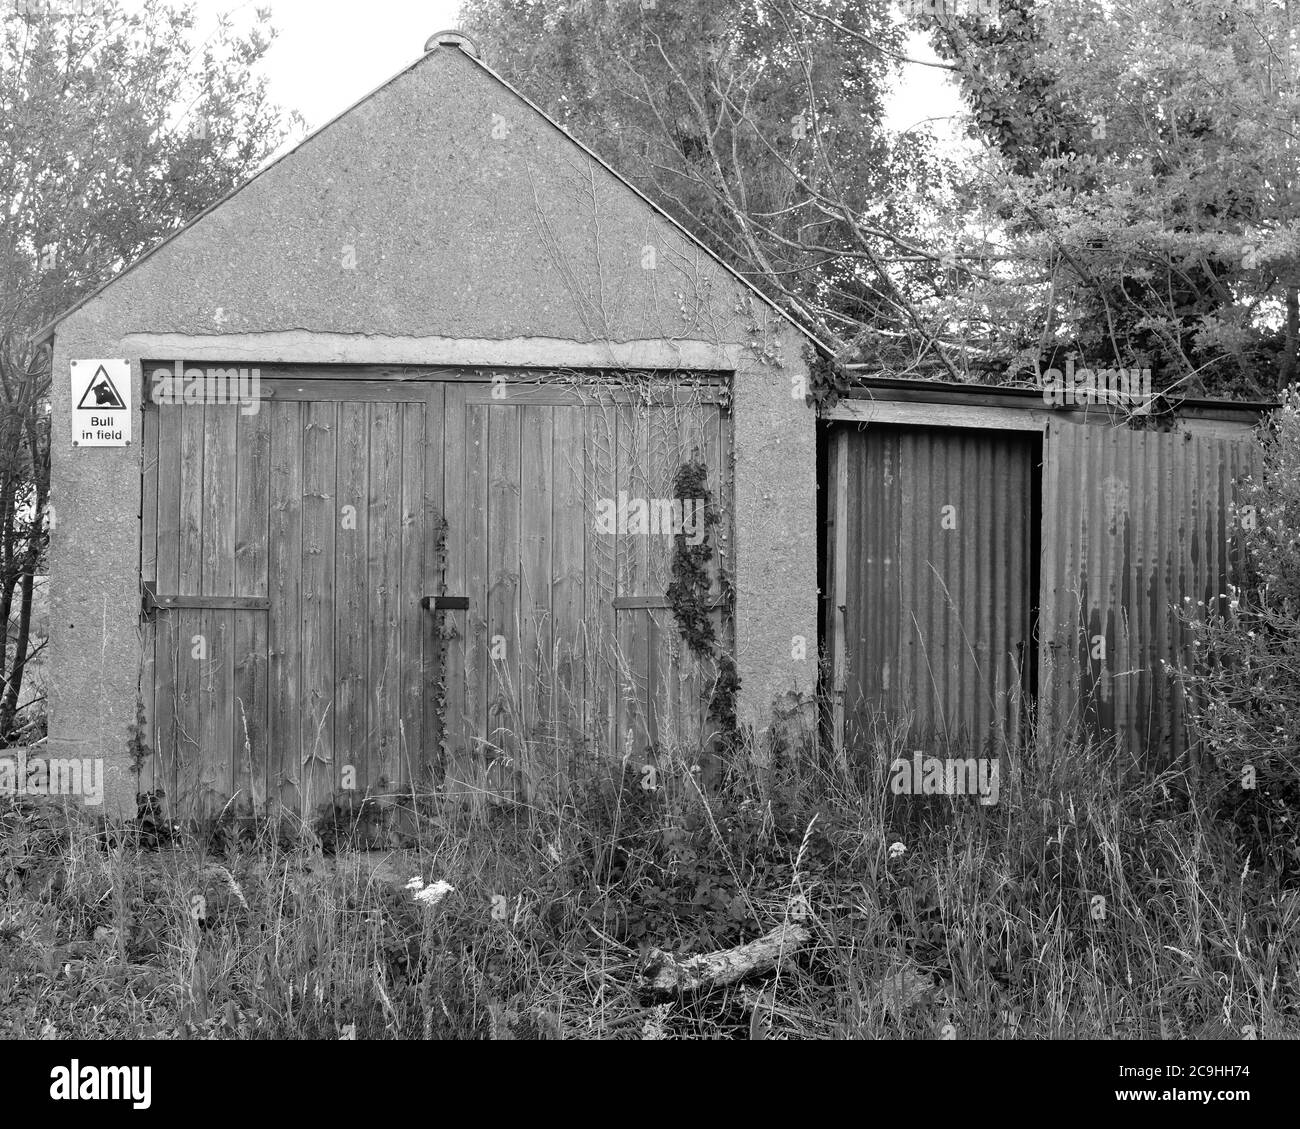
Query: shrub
{"points": [[1246, 674]]}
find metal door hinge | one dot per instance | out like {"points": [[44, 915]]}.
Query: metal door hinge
{"points": [[152, 603]]}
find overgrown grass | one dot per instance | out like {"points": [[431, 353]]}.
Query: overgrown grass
{"points": [[1076, 907]]}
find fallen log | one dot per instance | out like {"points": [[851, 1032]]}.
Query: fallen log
{"points": [[665, 972]]}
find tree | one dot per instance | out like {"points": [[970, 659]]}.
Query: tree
{"points": [[758, 126], [114, 130], [1143, 177], [1134, 200]]}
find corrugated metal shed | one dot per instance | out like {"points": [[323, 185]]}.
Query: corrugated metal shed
{"points": [[939, 583], [1135, 523], [1080, 531]]}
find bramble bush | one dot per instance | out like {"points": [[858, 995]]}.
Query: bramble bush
{"points": [[1245, 678]]}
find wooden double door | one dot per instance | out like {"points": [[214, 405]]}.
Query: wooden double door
{"points": [[390, 582]]}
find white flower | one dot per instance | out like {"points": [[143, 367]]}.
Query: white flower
{"points": [[433, 894], [416, 883], [897, 850]]}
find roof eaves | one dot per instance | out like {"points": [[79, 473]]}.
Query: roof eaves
{"points": [[1019, 396]]}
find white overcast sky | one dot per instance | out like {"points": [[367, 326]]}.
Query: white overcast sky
{"points": [[330, 53]]}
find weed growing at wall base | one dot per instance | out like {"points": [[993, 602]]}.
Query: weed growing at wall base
{"points": [[1073, 917]]}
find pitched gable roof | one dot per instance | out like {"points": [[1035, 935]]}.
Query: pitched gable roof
{"points": [[316, 135]]}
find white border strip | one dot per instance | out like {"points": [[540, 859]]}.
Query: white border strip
{"points": [[303, 347]]}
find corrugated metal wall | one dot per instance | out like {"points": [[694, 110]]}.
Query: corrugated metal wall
{"points": [[938, 581], [1133, 521]]}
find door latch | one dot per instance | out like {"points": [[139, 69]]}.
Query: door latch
{"points": [[445, 603]]}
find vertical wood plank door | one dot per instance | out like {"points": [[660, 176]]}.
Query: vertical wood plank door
{"points": [[290, 551], [293, 544], [569, 650]]}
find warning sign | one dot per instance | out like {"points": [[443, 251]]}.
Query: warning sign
{"points": [[101, 403]]}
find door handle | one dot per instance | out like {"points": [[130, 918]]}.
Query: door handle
{"points": [[445, 603]]}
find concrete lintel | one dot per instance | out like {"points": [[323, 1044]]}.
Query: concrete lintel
{"points": [[306, 347]]}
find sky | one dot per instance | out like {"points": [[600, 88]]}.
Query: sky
{"points": [[331, 53]]}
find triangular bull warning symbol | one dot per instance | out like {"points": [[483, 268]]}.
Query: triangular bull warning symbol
{"points": [[101, 393]]}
